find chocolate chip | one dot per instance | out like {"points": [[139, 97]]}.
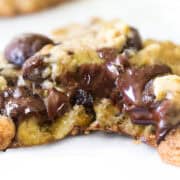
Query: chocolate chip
{"points": [[96, 79], [114, 63], [20, 101], [33, 67], [24, 46], [167, 114], [134, 40], [92, 78], [133, 81], [57, 104], [139, 103], [117, 66]]}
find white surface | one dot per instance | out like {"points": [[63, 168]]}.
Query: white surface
{"points": [[96, 156]]}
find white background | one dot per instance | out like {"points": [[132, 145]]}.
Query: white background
{"points": [[97, 156]]}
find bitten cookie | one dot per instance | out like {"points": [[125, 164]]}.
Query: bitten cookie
{"points": [[96, 77]]}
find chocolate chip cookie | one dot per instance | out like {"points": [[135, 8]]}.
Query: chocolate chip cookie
{"points": [[14, 7], [96, 77]]}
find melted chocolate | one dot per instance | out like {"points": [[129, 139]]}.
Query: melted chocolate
{"points": [[33, 67], [17, 102], [96, 79], [93, 78], [132, 82], [135, 84], [57, 104], [134, 40], [167, 115]]}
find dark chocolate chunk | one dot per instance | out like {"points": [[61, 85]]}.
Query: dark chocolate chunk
{"points": [[57, 104], [117, 65], [92, 78], [25, 46], [134, 40], [133, 81], [168, 117], [20, 101], [33, 67], [135, 84], [96, 79]]}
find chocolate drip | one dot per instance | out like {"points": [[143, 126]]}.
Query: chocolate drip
{"points": [[135, 84], [167, 115], [132, 82]]}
